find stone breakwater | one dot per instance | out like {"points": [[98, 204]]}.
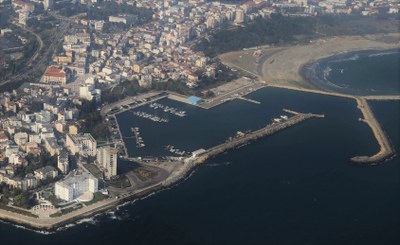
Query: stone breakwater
{"points": [[386, 150]]}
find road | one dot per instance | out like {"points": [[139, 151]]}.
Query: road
{"points": [[39, 59]]}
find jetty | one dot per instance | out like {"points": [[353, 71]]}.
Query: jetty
{"points": [[249, 100], [269, 129], [386, 149]]}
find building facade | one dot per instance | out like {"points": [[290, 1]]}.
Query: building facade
{"points": [[71, 188], [84, 144], [107, 160]]}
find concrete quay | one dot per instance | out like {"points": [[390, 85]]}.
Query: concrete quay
{"points": [[254, 135], [386, 150], [131, 103]]}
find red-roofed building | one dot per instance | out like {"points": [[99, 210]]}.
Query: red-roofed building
{"points": [[55, 75]]}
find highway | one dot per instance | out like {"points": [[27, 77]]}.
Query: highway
{"points": [[42, 55]]}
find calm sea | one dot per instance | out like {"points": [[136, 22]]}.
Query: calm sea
{"points": [[295, 187]]}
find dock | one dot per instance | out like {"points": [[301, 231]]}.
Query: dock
{"points": [[386, 150], [249, 100], [269, 129]]}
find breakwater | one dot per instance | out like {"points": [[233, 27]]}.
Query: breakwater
{"points": [[386, 150], [254, 135]]}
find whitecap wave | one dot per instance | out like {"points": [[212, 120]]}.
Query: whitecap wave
{"points": [[43, 232], [90, 220], [327, 72], [351, 58], [218, 164], [382, 54]]}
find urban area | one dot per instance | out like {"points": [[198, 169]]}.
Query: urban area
{"points": [[58, 151]]}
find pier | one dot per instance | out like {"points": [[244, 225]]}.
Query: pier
{"points": [[254, 135], [249, 100], [386, 149]]}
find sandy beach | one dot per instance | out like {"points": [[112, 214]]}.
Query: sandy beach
{"points": [[281, 66]]}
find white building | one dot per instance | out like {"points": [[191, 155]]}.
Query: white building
{"points": [[75, 186], [107, 160], [88, 92], [83, 144], [239, 16], [48, 4]]}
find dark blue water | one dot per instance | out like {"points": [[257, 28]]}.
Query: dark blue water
{"points": [[295, 187], [365, 73], [205, 128]]}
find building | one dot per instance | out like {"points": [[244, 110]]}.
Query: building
{"points": [[23, 17], [107, 160], [26, 183], [89, 92], [63, 162], [48, 4], [21, 138], [125, 19], [198, 152], [55, 75], [98, 25], [51, 145], [239, 16], [83, 144], [75, 186], [46, 172], [193, 100]]}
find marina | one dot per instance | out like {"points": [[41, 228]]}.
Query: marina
{"points": [[176, 151], [168, 109], [139, 140], [149, 116]]}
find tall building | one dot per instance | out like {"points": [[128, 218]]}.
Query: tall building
{"points": [[107, 160], [239, 16], [63, 162], [82, 144], [76, 186], [48, 4]]}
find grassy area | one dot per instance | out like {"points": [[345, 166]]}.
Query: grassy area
{"points": [[18, 211], [93, 169], [120, 182], [98, 196]]}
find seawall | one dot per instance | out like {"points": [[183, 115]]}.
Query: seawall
{"points": [[386, 150]]}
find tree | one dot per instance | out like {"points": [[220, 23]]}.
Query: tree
{"points": [[23, 200]]}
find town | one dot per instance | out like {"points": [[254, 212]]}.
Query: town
{"points": [[55, 151]]}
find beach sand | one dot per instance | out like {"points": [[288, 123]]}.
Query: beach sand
{"points": [[281, 66]]}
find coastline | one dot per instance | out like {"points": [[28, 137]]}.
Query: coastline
{"points": [[310, 71], [284, 67], [52, 224]]}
